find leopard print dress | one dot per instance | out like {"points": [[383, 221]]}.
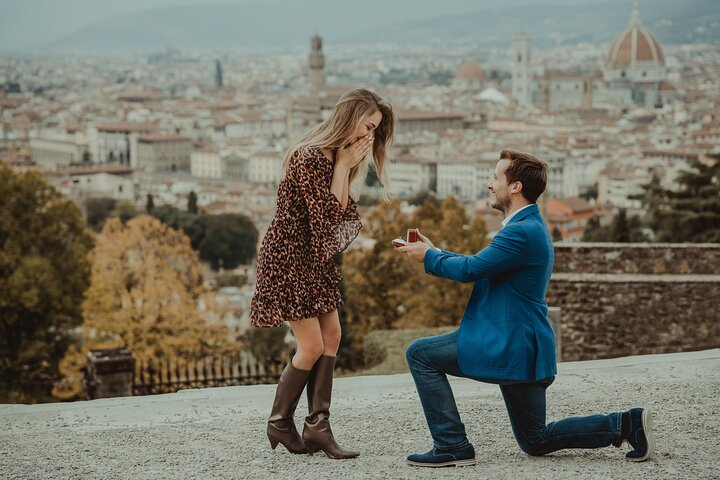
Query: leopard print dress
{"points": [[296, 275]]}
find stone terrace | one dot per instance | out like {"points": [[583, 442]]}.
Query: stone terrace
{"points": [[220, 432]]}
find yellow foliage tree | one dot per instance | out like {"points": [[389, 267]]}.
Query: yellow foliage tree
{"points": [[386, 290], [146, 286], [436, 301]]}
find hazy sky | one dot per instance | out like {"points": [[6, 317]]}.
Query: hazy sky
{"points": [[36, 23]]}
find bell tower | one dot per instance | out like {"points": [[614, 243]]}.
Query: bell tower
{"points": [[316, 65], [521, 69]]}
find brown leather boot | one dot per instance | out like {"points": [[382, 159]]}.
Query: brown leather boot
{"points": [[317, 433], [281, 426]]}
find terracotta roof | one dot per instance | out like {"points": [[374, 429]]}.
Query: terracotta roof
{"points": [[470, 70], [112, 169], [127, 127], [409, 115], [576, 204], [163, 138], [670, 153], [635, 44]]}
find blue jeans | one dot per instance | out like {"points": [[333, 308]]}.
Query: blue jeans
{"points": [[431, 359]]}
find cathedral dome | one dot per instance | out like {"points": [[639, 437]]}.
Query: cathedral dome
{"points": [[635, 45], [470, 70]]}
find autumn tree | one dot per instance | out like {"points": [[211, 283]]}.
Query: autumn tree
{"points": [[44, 273], [386, 290], [145, 290], [377, 280], [436, 301]]}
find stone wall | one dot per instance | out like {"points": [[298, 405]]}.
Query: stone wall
{"points": [[628, 299], [651, 258]]}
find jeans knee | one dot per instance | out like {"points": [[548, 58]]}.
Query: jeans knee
{"points": [[533, 446], [412, 350]]}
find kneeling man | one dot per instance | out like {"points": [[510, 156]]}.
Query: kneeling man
{"points": [[505, 337]]}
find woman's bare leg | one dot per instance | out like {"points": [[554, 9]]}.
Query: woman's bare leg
{"points": [[310, 342], [331, 333]]}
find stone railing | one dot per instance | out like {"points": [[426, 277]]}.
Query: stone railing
{"points": [[628, 299]]}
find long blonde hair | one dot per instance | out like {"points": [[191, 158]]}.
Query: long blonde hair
{"points": [[337, 131]]}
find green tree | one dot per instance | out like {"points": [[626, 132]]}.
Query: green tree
{"points": [[44, 273], [193, 225], [97, 210], [622, 229], [690, 213], [124, 210], [422, 197], [594, 232], [372, 179], [229, 279], [192, 203], [228, 240], [556, 234]]}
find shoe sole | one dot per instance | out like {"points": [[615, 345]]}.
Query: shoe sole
{"points": [[646, 420], [453, 463]]}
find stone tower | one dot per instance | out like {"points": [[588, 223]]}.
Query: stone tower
{"points": [[218, 74], [521, 73], [316, 65]]}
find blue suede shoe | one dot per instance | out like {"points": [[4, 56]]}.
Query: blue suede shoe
{"points": [[640, 436], [438, 458]]}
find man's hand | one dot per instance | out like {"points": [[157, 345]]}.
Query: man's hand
{"points": [[425, 240], [417, 250]]}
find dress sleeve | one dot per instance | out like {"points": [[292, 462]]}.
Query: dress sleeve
{"points": [[332, 228]]}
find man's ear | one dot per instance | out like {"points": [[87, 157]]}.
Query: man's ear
{"points": [[516, 187]]}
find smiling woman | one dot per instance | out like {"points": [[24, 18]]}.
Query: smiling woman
{"points": [[297, 279]]}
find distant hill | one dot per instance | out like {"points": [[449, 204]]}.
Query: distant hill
{"points": [[670, 21], [288, 23]]}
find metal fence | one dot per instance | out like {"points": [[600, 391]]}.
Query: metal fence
{"points": [[170, 375]]}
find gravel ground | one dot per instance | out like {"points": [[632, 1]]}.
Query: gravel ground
{"points": [[220, 432]]}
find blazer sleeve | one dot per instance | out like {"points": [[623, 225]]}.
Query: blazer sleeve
{"points": [[507, 251], [332, 227]]}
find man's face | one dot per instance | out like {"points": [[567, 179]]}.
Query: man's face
{"points": [[499, 188]]}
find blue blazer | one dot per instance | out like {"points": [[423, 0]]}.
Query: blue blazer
{"points": [[505, 334]]}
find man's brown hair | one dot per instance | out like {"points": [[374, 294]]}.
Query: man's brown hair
{"points": [[528, 170]]}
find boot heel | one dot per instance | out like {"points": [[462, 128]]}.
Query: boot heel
{"points": [[311, 447], [274, 443]]}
